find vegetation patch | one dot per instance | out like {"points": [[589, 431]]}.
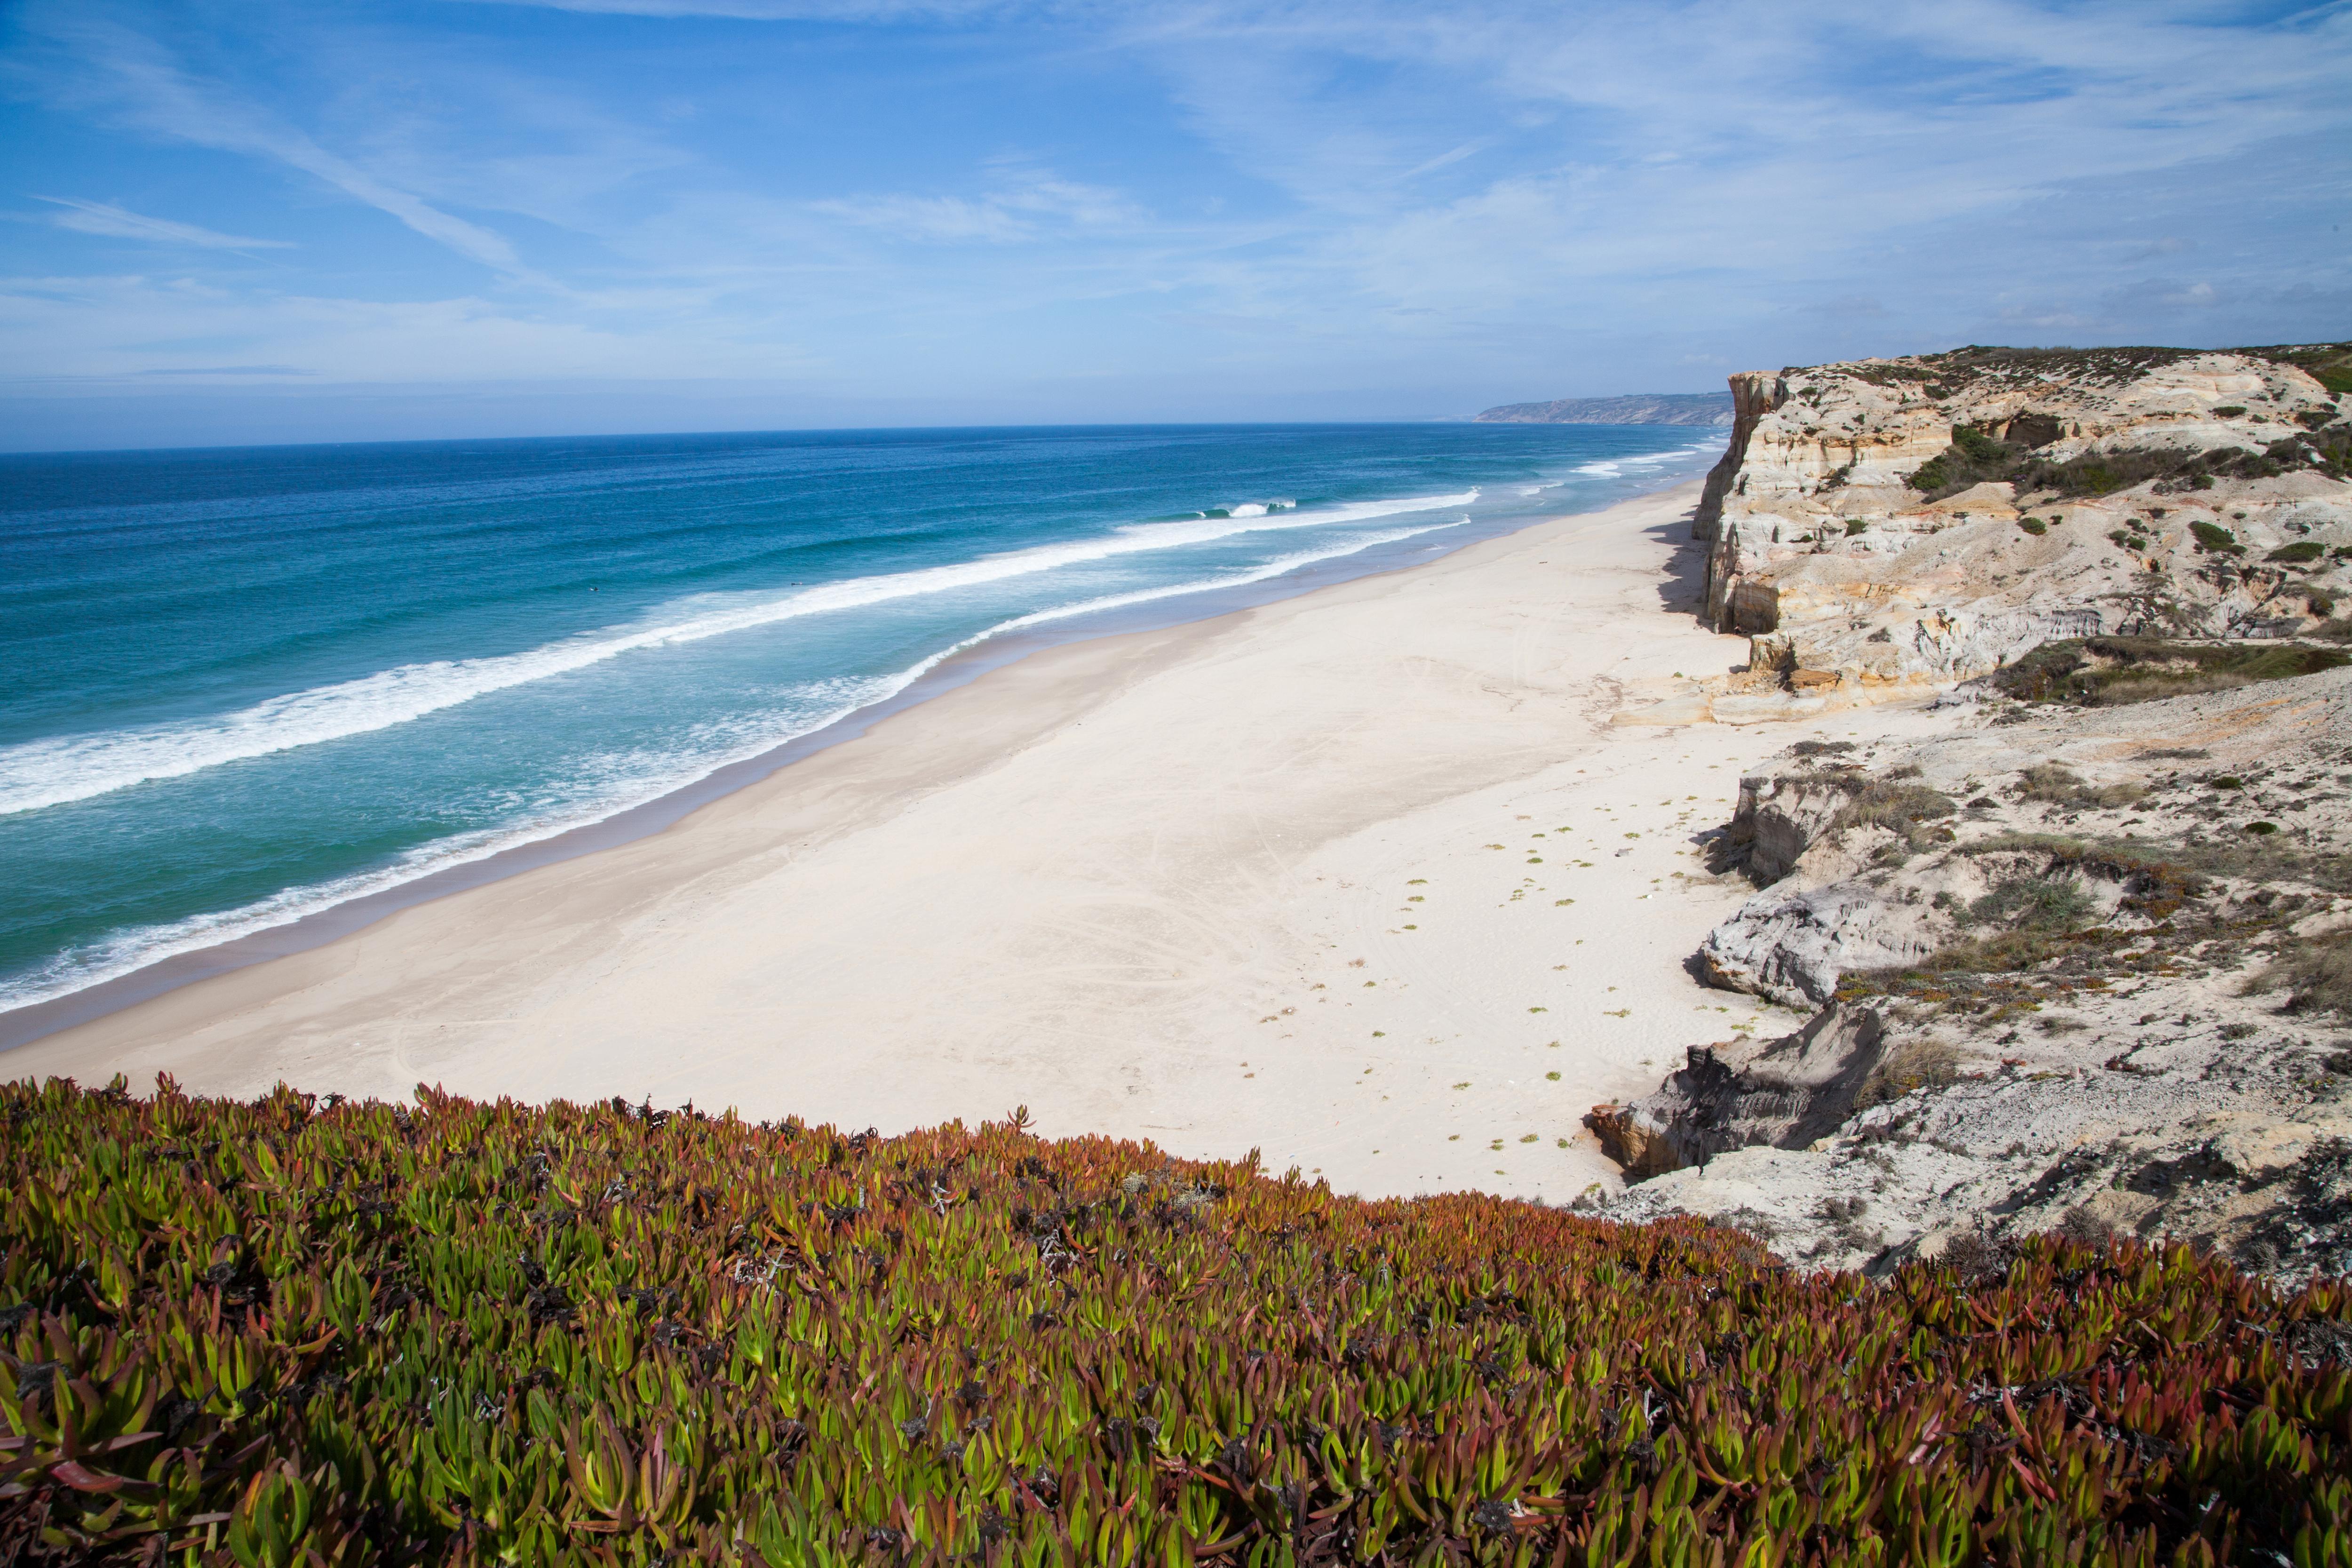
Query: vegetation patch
{"points": [[2316, 975], [2330, 364], [2197, 904], [1926, 1063], [296, 1333], [2110, 366], [1976, 456], [1898, 804], [2108, 671], [2061, 785], [2035, 904]]}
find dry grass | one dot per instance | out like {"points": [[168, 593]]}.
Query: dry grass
{"points": [[1917, 1064], [1889, 802], [2061, 785], [2316, 975]]}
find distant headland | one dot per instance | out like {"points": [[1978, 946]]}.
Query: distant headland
{"points": [[1636, 408]]}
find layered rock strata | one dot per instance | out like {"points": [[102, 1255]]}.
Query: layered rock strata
{"points": [[1851, 535]]}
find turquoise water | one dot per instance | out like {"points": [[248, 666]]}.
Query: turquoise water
{"points": [[249, 684]]}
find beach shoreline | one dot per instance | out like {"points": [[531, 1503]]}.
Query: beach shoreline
{"points": [[1161, 884], [316, 922]]}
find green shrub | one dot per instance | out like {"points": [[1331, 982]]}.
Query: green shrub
{"points": [[288, 1333], [2112, 670], [2033, 525], [2213, 536], [2301, 550], [1973, 458], [2035, 904], [2328, 364], [2230, 411]]}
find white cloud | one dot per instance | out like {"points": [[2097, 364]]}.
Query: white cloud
{"points": [[149, 88], [938, 218], [120, 223], [775, 10], [1288, 194], [1031, 207]]}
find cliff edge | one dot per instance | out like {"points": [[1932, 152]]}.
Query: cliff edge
{"points": [[1922, 520], [2079, 956]]}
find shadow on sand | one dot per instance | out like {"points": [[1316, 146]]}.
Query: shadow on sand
{"points": [[1683, 587]]}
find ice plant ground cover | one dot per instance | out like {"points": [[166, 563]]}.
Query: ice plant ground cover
{"points": [[302, 1332]]}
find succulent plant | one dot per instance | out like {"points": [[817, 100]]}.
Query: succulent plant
{"points": [[292, 1333]]}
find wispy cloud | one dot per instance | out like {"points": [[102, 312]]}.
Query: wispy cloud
{"points": [[1030, 208], [120, 223], [1514, 197], [776, 10], [269, 370], [145, 86]]}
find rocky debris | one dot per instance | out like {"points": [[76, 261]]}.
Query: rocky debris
{"points": [[1785, 1093], [1885, 525], [2061, 835], [2104, 958], [2216, 1121]]}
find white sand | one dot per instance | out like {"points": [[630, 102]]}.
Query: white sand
{"points": [[1160, 886]]}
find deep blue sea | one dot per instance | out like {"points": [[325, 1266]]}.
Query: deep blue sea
{"points": [[246, 684]]}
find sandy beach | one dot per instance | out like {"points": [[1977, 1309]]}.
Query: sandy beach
{"points": [[1366, 879]]}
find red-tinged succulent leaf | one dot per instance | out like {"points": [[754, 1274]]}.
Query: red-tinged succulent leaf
{"points": [[85, 1481]]}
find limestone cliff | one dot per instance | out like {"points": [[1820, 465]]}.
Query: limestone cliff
{"points": [[1924, 520]]}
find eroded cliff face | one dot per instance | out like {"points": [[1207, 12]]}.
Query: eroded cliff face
{"points": [[1915, 521], [2078, 953], [2075, 969]]}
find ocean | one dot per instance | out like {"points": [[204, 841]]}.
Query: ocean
{"points": [[246, 685]]}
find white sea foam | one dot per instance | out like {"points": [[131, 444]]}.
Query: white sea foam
{"points": [[620, 784], [55, 771]]}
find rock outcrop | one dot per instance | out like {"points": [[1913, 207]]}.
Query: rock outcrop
{"points": [[2104, 958], [1889, 524], [1786, 1093]]}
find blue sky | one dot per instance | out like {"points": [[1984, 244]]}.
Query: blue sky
{"points": [[258, 221]]}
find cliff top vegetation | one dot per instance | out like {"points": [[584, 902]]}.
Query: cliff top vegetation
{"points": [[294, 1331]]}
